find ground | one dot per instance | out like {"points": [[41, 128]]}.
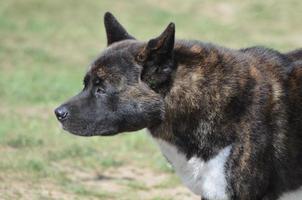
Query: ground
{"points": [[45, 48]]}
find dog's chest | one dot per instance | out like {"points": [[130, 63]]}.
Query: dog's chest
{"points": [[207, 179], [293, 195]]}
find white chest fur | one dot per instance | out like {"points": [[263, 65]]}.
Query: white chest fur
{"points": [[203, 178], [293, 195]]}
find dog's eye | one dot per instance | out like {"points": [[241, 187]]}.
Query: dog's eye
{"points": [[100, 90]]}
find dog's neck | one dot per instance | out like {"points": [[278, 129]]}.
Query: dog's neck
{"points": [[195, 100], [194, 83], [181, 90]]}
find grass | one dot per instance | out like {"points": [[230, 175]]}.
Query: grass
{"points": [[45, 47]]}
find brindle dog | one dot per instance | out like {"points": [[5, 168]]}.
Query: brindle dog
{"points": [[229, 121]]}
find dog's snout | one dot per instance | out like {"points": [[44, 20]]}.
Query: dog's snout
{"points": [[61, 113]]}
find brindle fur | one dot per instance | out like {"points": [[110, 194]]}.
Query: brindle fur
{"points": [[202, 97]]}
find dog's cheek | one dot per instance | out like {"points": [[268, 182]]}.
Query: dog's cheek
{"points": [[152, 112]]}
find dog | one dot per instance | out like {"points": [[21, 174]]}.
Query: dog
{"points": [[229, 121]]}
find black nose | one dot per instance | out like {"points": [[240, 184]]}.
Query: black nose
{"points": [[61, 113]]}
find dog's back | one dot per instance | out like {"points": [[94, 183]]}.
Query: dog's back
{"points": [[295, 102], [295, 55], [290, 168], [295, 96], [295, 92]]}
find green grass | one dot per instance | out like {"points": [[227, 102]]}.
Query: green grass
{"points": [[45, 47]]}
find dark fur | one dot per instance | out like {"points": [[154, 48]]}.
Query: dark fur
{"points": [[202, 98]]}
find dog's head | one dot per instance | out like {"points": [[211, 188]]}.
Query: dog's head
{"points": [[122, 86]]}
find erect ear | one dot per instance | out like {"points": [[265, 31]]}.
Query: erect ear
{"points": [[161, 46], [114, 30]]}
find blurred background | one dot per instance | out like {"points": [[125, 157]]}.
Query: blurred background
{"points": [[45, 48]]}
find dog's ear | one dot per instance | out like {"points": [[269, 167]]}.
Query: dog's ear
{"points": [[157, 59], [164, 43], [161, 46], [114, 30]]}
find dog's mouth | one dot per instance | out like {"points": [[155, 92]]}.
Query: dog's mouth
{"points": [[89, 131]]}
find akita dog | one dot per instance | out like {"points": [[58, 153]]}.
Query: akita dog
{"points": [[229, 121]]}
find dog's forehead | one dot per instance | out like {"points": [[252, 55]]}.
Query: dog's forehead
{"points": [[115, 59]]}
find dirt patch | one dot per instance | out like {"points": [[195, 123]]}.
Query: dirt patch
{"points": [[14, 188], [143, 182]]}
